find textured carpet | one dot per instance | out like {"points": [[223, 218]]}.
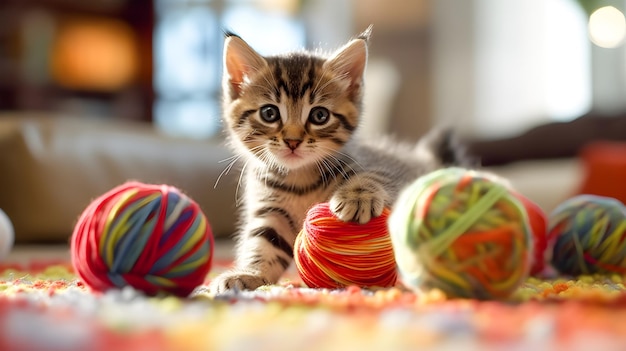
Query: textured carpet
{"points": [[44, 307]]}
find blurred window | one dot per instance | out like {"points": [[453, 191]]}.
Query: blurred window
{"points": [[188, 43], [510, 65]]}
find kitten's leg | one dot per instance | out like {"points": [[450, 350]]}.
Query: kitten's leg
{"points": [[264, 252], [360, 198]]}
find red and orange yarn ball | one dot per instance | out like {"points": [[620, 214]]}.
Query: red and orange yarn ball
{"points": [[538, 221], [150, 237], [330, 253]]}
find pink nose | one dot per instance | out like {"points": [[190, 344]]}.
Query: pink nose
{"points": [[293, 143]]}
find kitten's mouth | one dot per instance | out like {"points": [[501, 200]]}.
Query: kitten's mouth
{"points": [[293, 159], [292, 155]]}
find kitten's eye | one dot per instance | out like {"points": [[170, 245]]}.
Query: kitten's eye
{"points": [[319, 115], [270, 113]]}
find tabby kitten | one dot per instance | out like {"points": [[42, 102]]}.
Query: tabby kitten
{"points": [[292, 119]]}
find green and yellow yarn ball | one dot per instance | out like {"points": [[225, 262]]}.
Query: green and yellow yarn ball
{"points": [[463, 232]]}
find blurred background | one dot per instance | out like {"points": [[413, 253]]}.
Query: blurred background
{"points": [[94, 93], [494, 67]]}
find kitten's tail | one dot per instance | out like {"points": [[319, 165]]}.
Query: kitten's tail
{"points": [[445, 148]]}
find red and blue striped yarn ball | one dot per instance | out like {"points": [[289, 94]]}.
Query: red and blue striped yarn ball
{"points": [[331, 254], [150, 237], [587, 235]]}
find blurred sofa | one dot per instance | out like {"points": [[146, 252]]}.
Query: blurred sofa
{"points": [[555, 161], [53, 166]]}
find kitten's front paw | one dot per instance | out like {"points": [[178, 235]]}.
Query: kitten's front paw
{"points": [[235, 280], [358, 201]]}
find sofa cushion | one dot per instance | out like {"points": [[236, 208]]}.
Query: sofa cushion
{"points": [[51, 167], [545, 182]]}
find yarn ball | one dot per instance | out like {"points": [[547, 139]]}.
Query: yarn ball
{"points": [[330, 253], [588, 233], [150, 237], [462, 232], [539, 227], [7, 235]]}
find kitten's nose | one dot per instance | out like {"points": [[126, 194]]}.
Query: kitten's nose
{"points": [[293, 143]]}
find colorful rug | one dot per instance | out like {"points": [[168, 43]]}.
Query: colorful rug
{"points": [[44, 307]]}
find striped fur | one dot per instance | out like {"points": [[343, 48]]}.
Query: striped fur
{"points": [[291, 120]]}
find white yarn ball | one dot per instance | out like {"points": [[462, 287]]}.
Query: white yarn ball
{"points": [[7, 235]]}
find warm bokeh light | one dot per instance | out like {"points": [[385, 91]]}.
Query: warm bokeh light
{"points": [[98, 55], [607, 27]]}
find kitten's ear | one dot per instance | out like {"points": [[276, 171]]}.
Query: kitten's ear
{"points": [[351, 59], [240, 61], [366, 34]]}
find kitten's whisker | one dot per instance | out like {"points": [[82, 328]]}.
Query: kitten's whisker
{"points": [[327, 160], [332, 169], [239, 200], [227, 169], [258, 152], [339, 163], [348, 165], [268, 161], [228, 159], [354, 161], [320, 167]]}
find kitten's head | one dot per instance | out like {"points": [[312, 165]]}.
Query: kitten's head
{"points": [[292, 110]]}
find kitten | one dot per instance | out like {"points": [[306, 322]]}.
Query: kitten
{"points": [[292, 119]]}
